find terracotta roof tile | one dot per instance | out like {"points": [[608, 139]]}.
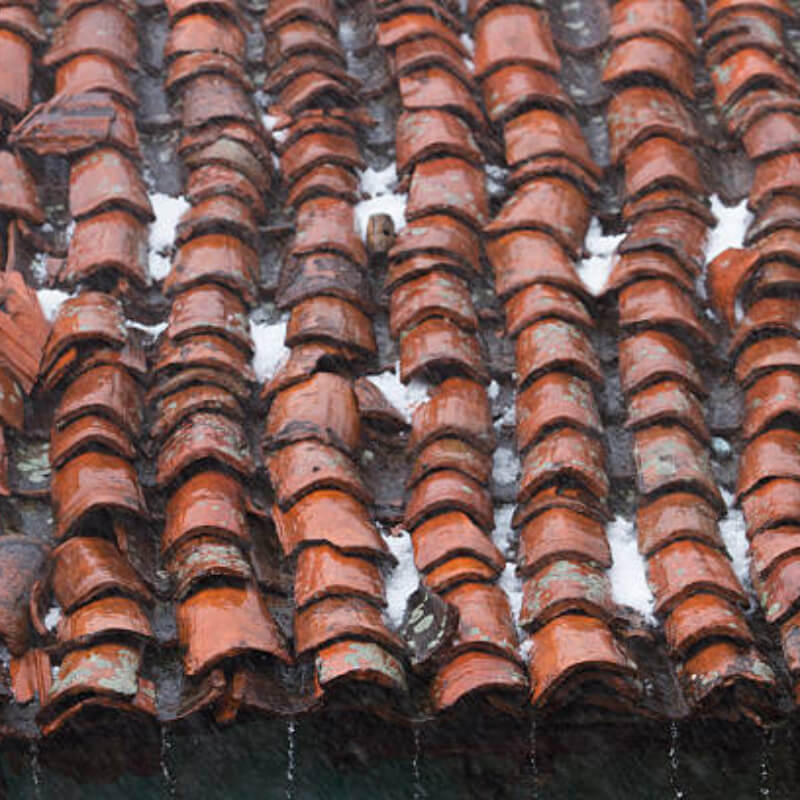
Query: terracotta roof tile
{"points": [[436, 88], [307, 466], [474, 672], [330, 319], [451, 453], [432, 51], [203, 559], [563, 535], [85, 434], [447, 490], [565, 455], [636, 113], [770, 547], [437, 344], [410, 25], [221, 621], [444, 536], [510, 89], [301, 36], [745, 70], [322, 571], [15, 85], [335, 618], [513, 34], [101, 29], [552, 344], [568, 645], [652, 57], [283, 11], [670, 20], [363, 661], [91, 482], [90, 73], [704, 616], [555, 400], [563, 586], [329, 516], [18, 196], [549, 204], [457, 408]]}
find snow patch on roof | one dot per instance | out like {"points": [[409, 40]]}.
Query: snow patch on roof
{"points": [[595, 269], [153, 331], [503, 533], [52, 618], [404, 397], [39, 267], [510, 582], [379, 185], [270, 121], [496, 180], [505, 466], [403, 580], [628, 573], [168, 212], [733, 529], [50, 300], [375, 182], [508, 419], [720, 447], [270, 352], [731, 228]]}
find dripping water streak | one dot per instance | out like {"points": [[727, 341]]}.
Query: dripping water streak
{"points": [[674, 763], [763, 775], [169, 779], [290, 759], [533, 762], [36, 769], [418, 794]]}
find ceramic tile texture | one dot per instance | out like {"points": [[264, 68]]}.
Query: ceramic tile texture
{"points": [[294, 451]]}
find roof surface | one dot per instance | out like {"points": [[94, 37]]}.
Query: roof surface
{"points": [[398, 358]]}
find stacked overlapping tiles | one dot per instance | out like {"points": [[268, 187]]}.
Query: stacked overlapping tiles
{"points": [[313, 429], [203, 377], [533, 240], [98, 574], [753, 290], [220, 577], [23, 329], [20, 35], [652, 137], [432, 269]]}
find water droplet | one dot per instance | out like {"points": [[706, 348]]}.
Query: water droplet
{"points": [[763, 776], [533, 762], [674, 762], [291, 744], [170, 786], [36, 769], [418, 791]]}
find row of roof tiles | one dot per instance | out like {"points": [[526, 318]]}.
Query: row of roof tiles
{"points": [[696, 590], [449, 510], [753, 88], [95, 574], [533, 242]]}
